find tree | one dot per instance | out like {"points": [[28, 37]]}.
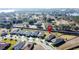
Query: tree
{"points": [[45, 19], [31, 22], [25, 19], [76, 28], [50, 20], [11, 18]]}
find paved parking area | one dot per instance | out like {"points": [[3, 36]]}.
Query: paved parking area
{"points": [[38, 47]]}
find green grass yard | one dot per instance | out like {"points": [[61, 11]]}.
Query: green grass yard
{"points": [[12, 42]]}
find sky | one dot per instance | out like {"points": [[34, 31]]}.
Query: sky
{"points": [[6, 10], [39, 3]]}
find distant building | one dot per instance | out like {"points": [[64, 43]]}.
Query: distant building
{"points": [[16, 21], [5, 24]]}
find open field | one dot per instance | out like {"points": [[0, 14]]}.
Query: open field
{"points": [[70, 44], [68, 37]]}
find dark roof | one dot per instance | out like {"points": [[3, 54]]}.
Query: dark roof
{"points": [[5, 21], [28, 34], [4, 45], [4, 33], [58, 42], [15, 32], [35, 34], [50, 38], [19, 45], [16, 21], [71, 32]]}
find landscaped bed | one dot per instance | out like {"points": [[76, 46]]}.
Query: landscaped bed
{"points": [[11, 41]]}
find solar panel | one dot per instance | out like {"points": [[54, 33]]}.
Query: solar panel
{"points": [[4, 46]]}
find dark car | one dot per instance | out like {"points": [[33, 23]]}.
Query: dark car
{"points": [[58, 42], [50, 38]]}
